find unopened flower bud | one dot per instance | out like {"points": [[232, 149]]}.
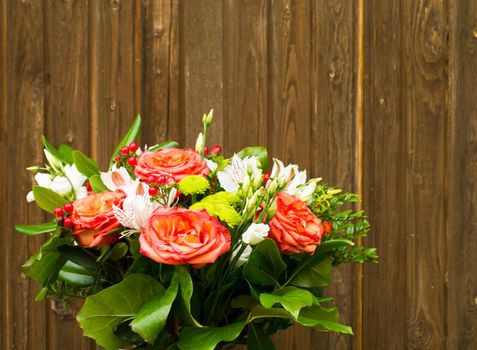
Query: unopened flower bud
{"points": [[34, 169], [199, 144], [272, 188], [305, 193], [272, 209], [208, 118], [54, 162]]}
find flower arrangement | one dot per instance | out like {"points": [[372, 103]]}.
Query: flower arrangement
{"points": [[188, 249]]}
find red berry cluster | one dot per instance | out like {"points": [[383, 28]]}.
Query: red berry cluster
{"points": [[127, 154], [214, 151], [64, 214], [266, 177]]}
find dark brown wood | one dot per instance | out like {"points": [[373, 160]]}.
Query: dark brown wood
{"points": [[461, 178]]}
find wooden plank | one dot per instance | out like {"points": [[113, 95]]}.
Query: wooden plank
{"points": [[290, 106], [201, 68], [426, 31], [23, 84], [384, 319], [113, 77], [245, 73], [160, 107], [335, 146], [68, 121], [461, 178]]}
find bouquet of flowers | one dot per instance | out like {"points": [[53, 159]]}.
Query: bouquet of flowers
{"points": [[188, 249]]}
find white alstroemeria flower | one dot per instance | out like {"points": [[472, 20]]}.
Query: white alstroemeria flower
{"points": [[43, 180], [211, 165], [77, 180], [255, 233], [305, 192], [243, 257], [117, 179], [61, 185], [294, 178], [236, 173], [136, 211]]}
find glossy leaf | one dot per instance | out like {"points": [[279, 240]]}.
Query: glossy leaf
{"points": [[50, 148], [97, 184], [291, 298], [256, 151], [315, 276], [76, 275], [104, 311], [265, 264], [84, 164], [186, 289], [130, 136], [48, 200], [192, 338], [167, 144], [324, 319], [257, 340], [32, 230], [66, 152], [152, 317]]}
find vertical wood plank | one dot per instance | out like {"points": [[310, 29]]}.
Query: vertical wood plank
{"points": [[384, 179], [461, 178], [246, 71], [112, 77], [68, 121], [202, 68], [160, 107], [334, 143], [290, 106], [25, 326]]}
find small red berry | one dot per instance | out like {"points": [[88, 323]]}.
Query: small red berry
{"points": [[266, 177], [88, 186], [124, 151], [117, 159], [133, 147], [132, 161], [69, 208], [68, 222], [152, 191], [206, 150], [151, 179], [216, 150], [58, 212]]}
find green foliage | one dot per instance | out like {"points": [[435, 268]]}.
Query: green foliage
{"points": [[291, 298], [32, 230], [208, 338], [130, 136], [97, 184], [265, 264], [47, 199], [257, 340], [103, 312], [167, 144], [315, 276], [84, 164]]}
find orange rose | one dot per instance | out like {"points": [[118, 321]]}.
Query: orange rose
{"points": [[170, 165], [181, 236], [93, 218], [294, 227]]}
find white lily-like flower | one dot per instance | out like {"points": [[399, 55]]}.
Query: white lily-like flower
{"points": [[236, 173], [255, 233], [291, 175], [61, 185], [117, 179], [211, 165], [77, 180], [305, 192], [243, 257], [136, 211]]}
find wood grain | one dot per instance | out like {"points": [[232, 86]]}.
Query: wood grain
{"points": [[334, 143], [461, 136]]}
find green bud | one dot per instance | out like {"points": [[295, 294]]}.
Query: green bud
{"points": [[208, 118], [54, 162], [199, 144]]}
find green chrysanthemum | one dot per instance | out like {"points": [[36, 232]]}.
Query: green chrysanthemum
{"points": [[222, 197], [224, 212], [194, 184]]}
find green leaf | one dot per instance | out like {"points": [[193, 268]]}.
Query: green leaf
{"points": [[152, 317], [45, 265], [318, 275], [50, 148], [130, 136], [66, 152], [47, 199], [31, 230], [257, 151], [97, 184], [265, 264], [167, 144], [260, 311], [291, 298], [186, 289], [324, 319], [192, 338], [84, 164], [104, 311], [76, 275], [79, 256], [257, 340]]}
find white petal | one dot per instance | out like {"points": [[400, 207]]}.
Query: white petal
{"points": [[30, 197], [77, 179], [81, 192], [116, 178], [255, 233], [61, 185], [211, 165], [243, 257], [227, 182], [44, 180]]}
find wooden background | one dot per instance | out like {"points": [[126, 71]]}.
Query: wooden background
{"points": [[378, 96]]}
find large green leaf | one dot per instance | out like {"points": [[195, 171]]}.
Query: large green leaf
{"points": [[152, 317], [186, 288], [32, 230], [260, 311], [79, 256], [324, 319], [130, 136], [104, 311], [76, 275], [256, 151], [192, 338], [167, 144], [291, 298], [47, 199], [265, 264], [53, 151], [84, 164], [97, 184], [257, 340], [315, 276], [66, 151]]}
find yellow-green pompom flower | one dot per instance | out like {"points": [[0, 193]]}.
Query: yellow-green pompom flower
{"points": [[222, 197], [194, 184], [224, 212]]}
